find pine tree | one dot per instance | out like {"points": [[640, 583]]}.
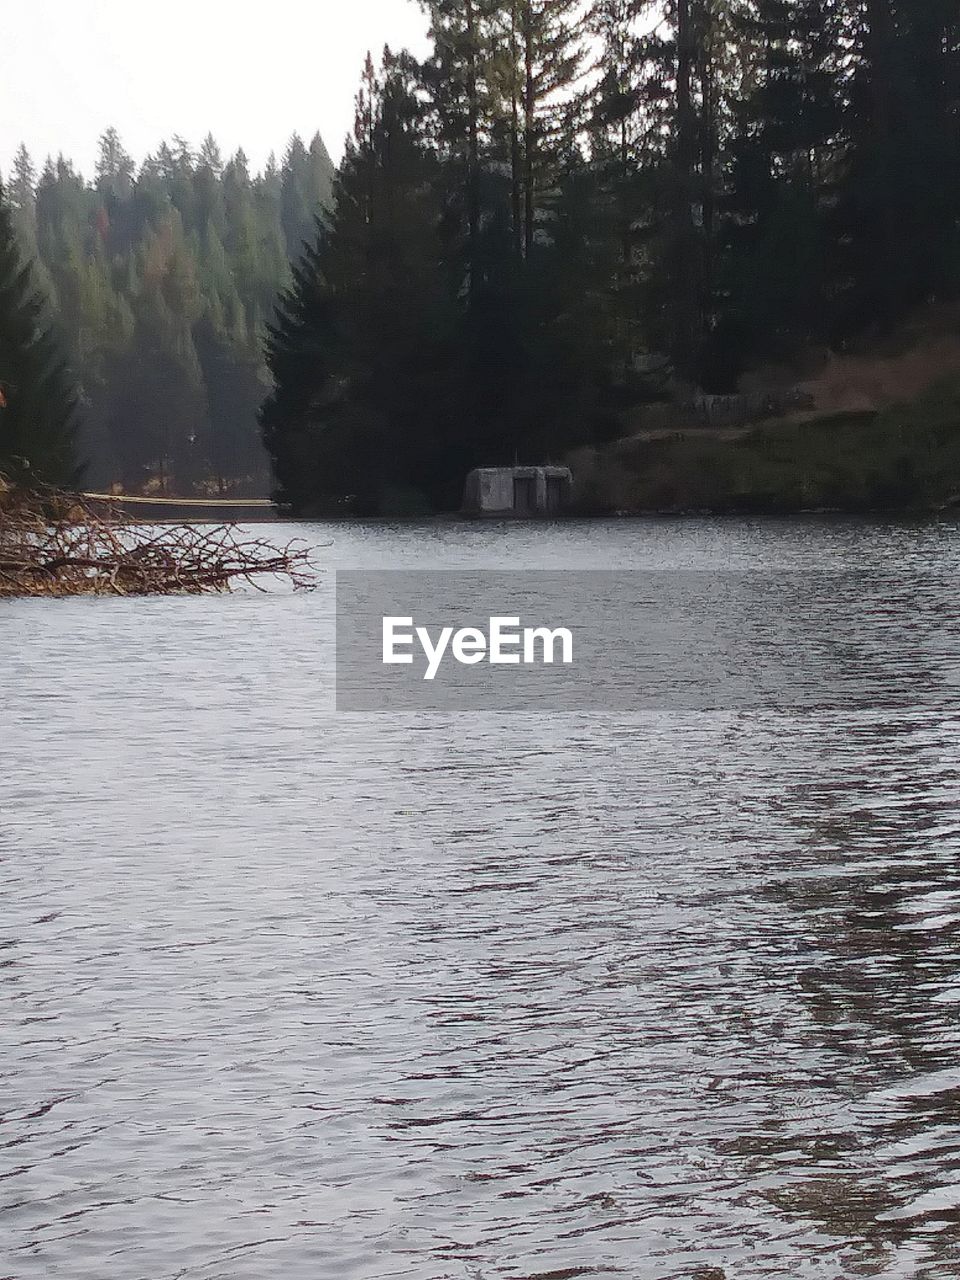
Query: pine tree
{"points": [[546, 39], [899, 200], [321, 170], [298, 417], [460, 81], [22, 197], [143, 270], [38, 416], [115, 168], [306, 186], [786, 156], [210, 157], [618, 155], [357, 351]]}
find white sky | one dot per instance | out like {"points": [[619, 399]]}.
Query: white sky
{"points": [[250, 74]]}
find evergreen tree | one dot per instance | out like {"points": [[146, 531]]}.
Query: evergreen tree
{"points": [[22, 197], [160, 280], [298, 418], [564, 194], [210, 157], [358, 349], [396, 367], [899, 199], [547, 45], [618, 155], [784, 169], [38, 402], [321, 171], [305, 187], [460, 81]]}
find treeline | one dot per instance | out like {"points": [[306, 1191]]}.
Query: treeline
{"points": [[570, 201], [159, 279]]}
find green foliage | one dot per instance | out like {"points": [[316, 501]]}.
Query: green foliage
{"points": [[417, 341], [845, 169], [905, 458], [38, 420], [160, 279], [517, 236], [565, 195]]}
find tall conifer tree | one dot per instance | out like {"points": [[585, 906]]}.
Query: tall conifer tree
{"points": [[38, 401]]}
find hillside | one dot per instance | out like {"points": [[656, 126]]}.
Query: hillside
{"points": [[879, 430]]}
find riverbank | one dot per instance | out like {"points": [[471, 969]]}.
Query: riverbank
{"points": [[160, 510], [905, 457]]}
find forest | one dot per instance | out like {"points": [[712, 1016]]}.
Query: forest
{"points": [[570, 209], [156, 281]]}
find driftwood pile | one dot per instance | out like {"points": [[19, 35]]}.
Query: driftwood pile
{"points": [[56, 544]]}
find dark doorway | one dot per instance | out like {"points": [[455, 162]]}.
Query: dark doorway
{"points": [[555, 492], [524, 494]]}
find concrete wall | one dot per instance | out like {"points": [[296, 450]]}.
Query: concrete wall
{"points": [[490, 490], [496, 490]]}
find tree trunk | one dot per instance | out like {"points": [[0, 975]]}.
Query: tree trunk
{"points": [[473, 148], [879, 49], [687, 274], [708, 154], [515, 157], [529, 137]]}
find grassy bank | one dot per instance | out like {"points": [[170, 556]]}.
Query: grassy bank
{"points": [[904, 457]]}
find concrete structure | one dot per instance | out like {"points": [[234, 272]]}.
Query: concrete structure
{"points": [[517, 491]]}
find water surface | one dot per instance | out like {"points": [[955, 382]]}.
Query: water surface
{"points": [[436, 998]]}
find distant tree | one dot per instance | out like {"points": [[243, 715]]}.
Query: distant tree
{"points": [[210, 157], [306, 187], [208, 193], [22, 196], [38, 413], [321, 175], [115, 168], [161, 279]]}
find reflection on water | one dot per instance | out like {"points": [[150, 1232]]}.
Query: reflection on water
{"points": [[287, 995]]}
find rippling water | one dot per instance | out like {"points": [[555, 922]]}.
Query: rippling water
{"points": [[288, 994]]}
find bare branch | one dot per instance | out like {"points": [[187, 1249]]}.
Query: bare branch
{"points": [[56, 544]]}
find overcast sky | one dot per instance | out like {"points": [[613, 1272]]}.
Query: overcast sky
{"points": [[252, 75]]}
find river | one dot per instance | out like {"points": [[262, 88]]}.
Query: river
{"points": [[358, 997]]}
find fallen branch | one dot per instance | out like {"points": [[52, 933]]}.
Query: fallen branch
{"points": [[57, 544]]}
